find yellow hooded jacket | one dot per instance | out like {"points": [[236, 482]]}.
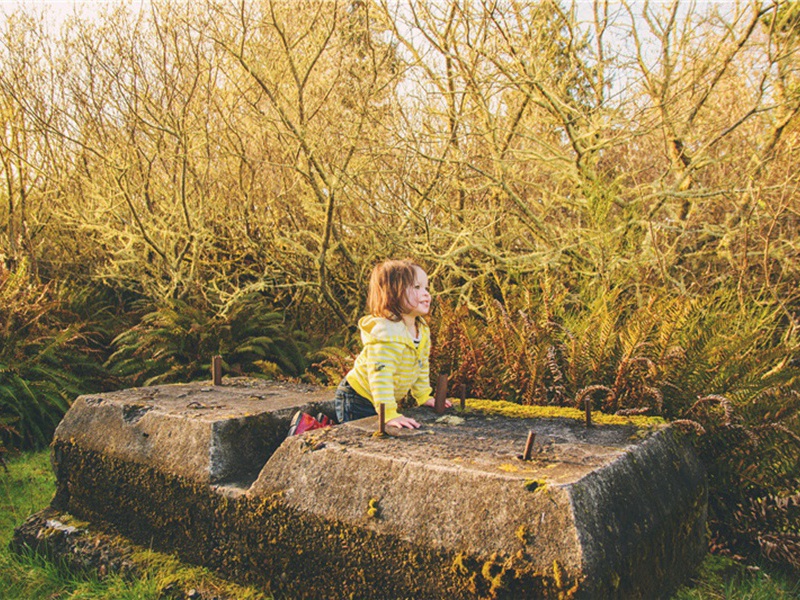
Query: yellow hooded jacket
{"points": [[390, 364]]}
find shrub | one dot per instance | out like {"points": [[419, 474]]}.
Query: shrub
{"points": [[176, 340], [46, 358]]}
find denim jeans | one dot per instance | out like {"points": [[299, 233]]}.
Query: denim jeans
{"points": [[350, 405]]}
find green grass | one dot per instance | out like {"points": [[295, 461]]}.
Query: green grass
{"points": [[29, 485], [724, 579]]}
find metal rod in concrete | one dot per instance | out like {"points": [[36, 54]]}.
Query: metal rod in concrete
{"points": [[441, 394], [381, 418], [529, 445], [216, 369], [588, 404]]}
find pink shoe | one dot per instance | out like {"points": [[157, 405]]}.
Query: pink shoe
{"points": [[302, 422]]}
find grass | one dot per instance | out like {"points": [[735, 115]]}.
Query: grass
{"points": [[724, 579], [29, 485]]}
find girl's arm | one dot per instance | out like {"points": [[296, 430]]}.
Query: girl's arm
{"points": [[421, 388], [384, 358]]}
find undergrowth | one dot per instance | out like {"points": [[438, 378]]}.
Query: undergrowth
{"points": [[722, 578], [48, 355]]}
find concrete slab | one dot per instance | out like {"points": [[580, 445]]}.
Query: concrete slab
{"points": [[606, 504], [211, 434], [449, 510]]}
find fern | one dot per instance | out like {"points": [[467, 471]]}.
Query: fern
{"points": [[34, 408], [330, 364], [176, 340], [46, 357]]}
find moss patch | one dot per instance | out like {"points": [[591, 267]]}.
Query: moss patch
{"points": [[510, 409], [533, 485]]}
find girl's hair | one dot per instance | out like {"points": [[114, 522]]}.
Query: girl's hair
{"points": [[387, 288]]}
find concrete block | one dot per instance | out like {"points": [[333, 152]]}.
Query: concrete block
{"points": [[449, 510], [210, 434]]}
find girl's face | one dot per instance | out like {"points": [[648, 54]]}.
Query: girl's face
{"points": [[418, 297]]}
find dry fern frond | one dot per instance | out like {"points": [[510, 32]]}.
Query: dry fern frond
{"points": [[782, 547], [656, 395], [589, 390], [689, 425], [726, 405]]}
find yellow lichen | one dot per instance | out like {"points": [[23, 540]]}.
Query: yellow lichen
{"points": [[508, 468], [490, 568], [71, 521], [615, 580], [558, 575], [459, 566], [561, 582], [533, 485], [522, 534], [510, 409], [372, 508], [496, 573]]}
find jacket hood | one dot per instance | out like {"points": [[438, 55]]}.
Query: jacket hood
{"points": [[379, 329]]}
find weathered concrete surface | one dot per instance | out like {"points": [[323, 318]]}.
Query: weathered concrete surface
{"points": [[620, 510], [196, 430], [446, 511]]}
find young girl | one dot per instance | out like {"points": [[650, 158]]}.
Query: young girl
{"points": [[397, 345]]}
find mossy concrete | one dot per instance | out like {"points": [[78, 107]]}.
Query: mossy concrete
{"points": [[450, 510]]}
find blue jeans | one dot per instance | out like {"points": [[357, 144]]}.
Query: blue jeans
{"points": [[350, 405]]}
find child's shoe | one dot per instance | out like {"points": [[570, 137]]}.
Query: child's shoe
{"points": [[302, 422]]}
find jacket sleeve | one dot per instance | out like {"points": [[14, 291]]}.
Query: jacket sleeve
{"points": [[382, 359], [421, 388]]}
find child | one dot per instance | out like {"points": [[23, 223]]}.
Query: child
{"points": [[397, 344]]}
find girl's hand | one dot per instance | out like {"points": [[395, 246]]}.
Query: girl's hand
{"points": [[432, 402], [401, 421]]}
